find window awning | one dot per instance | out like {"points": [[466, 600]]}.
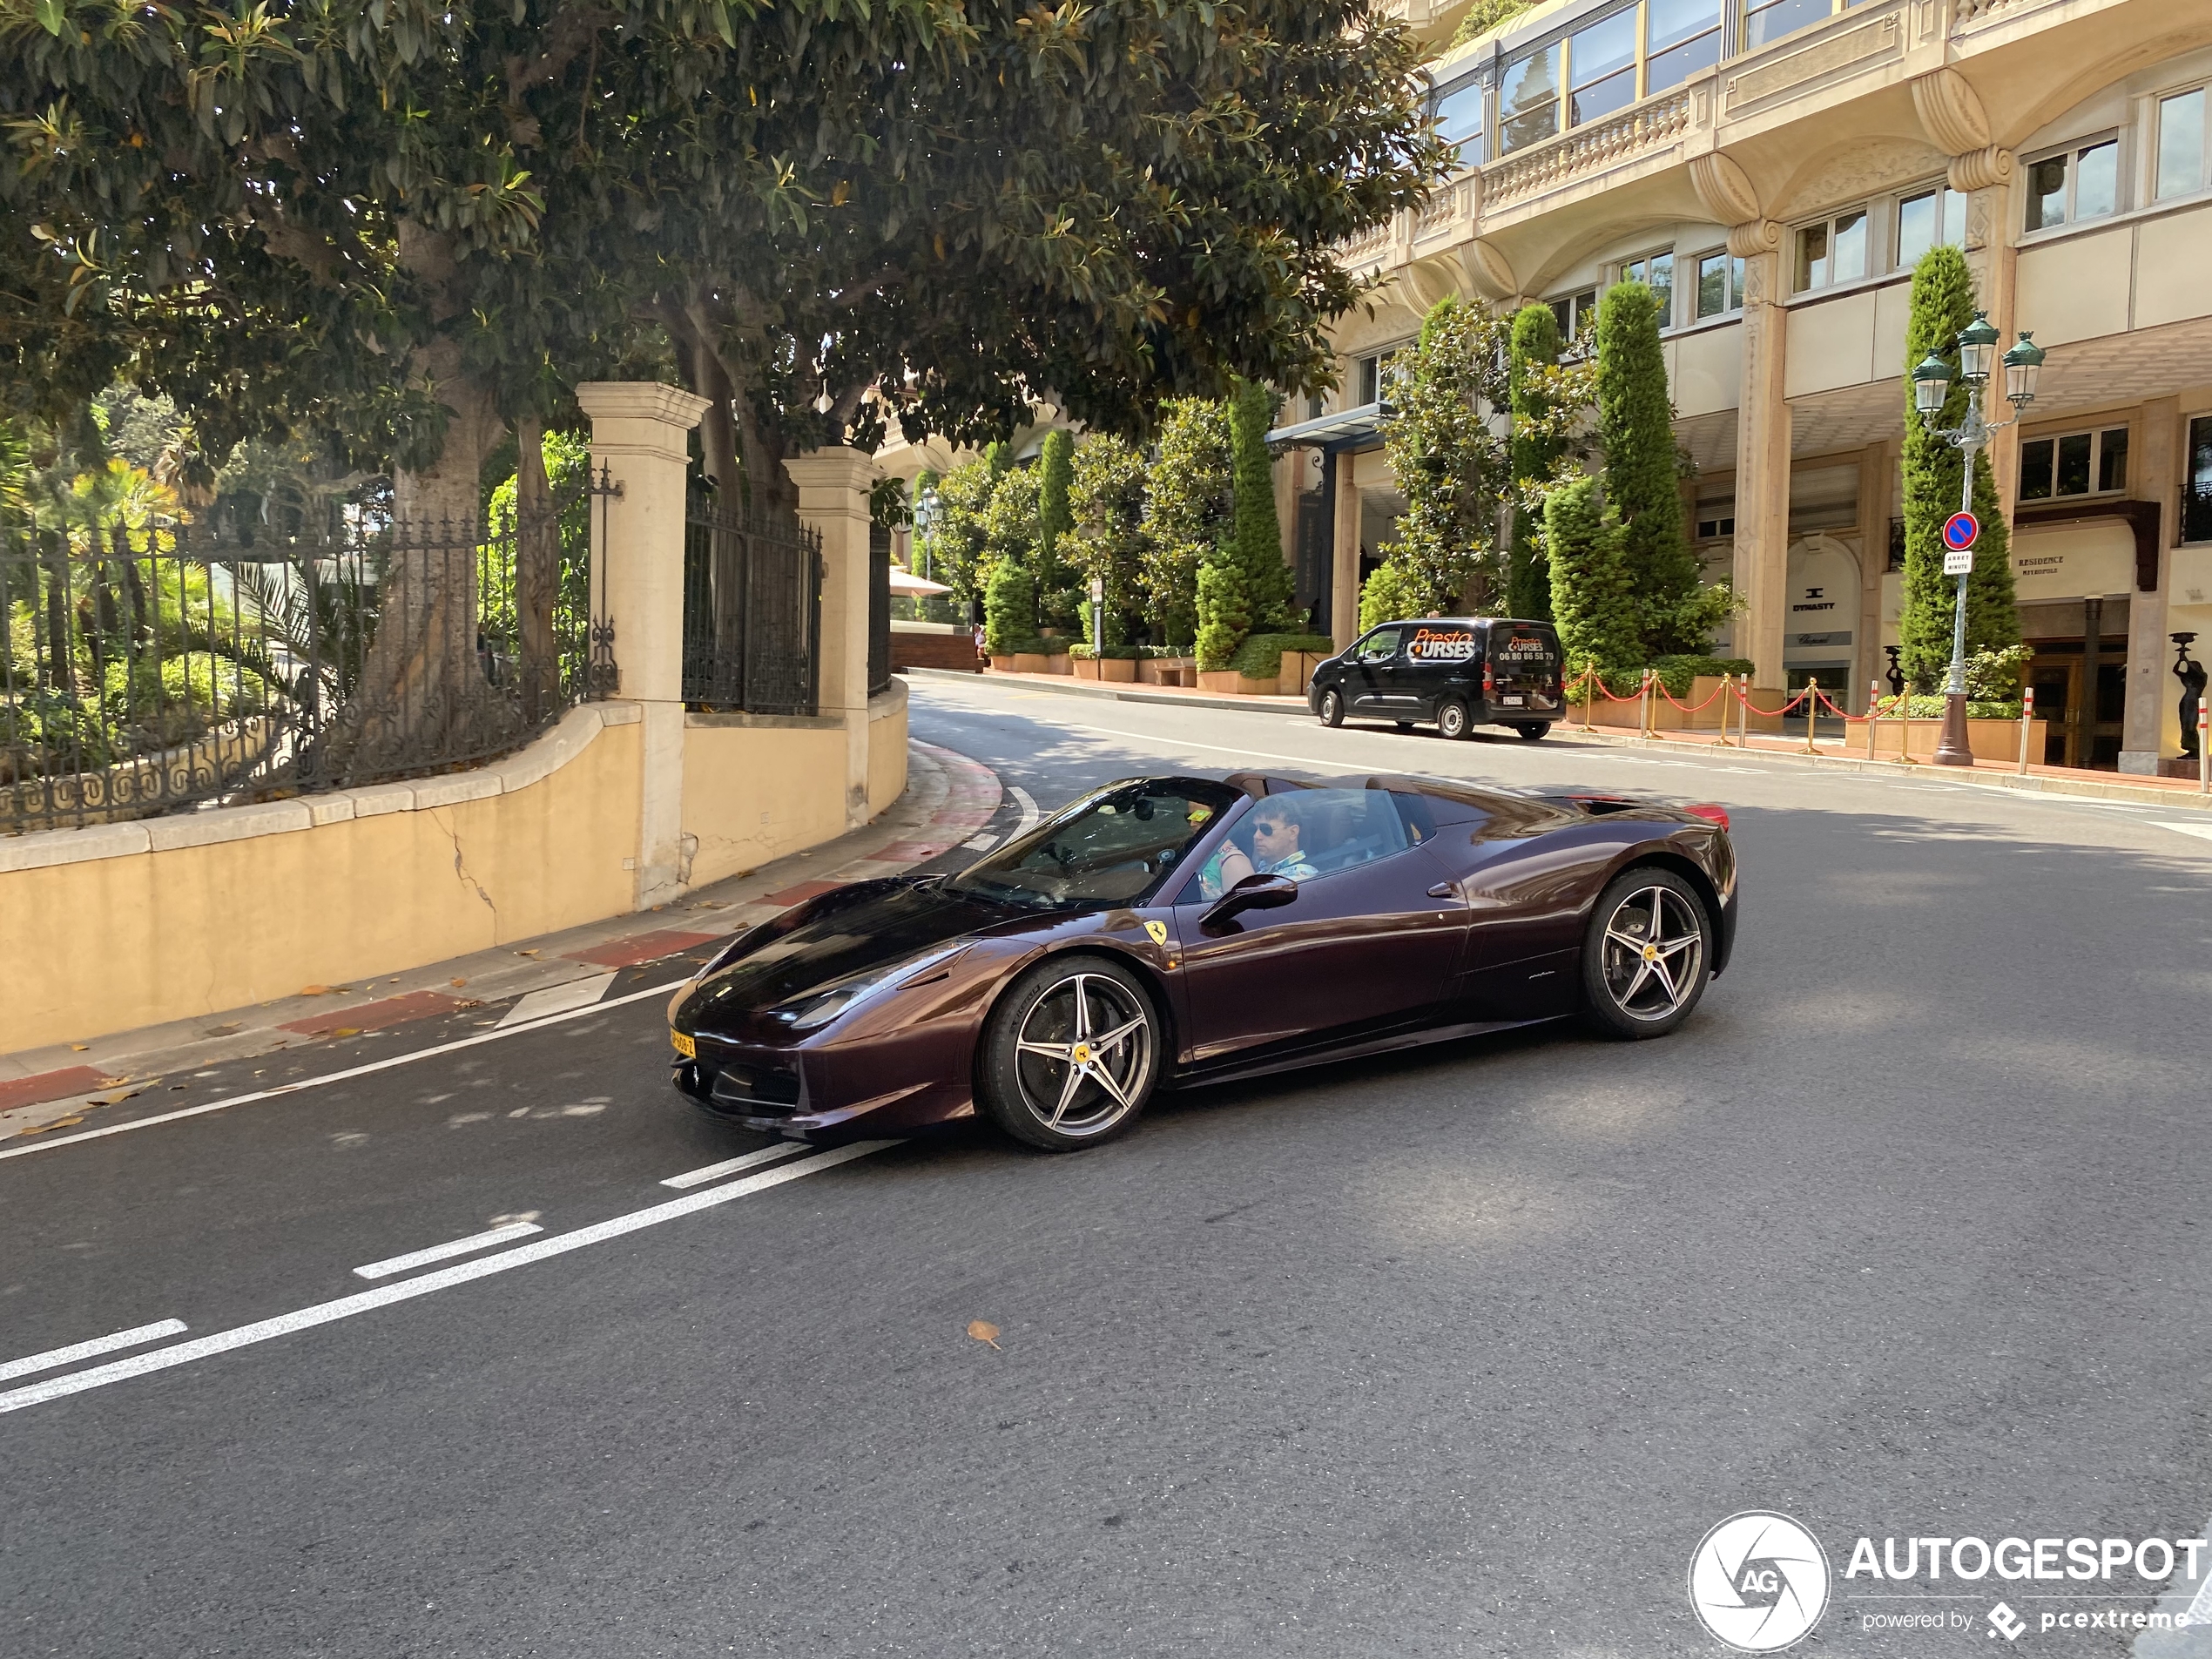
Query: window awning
{"points": [[1345, 429]]}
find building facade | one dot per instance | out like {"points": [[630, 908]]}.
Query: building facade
{"points": [[1773, 168]]}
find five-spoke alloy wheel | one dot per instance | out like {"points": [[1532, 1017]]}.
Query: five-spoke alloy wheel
{"points": [[1647, 955], [1069, 1053]]}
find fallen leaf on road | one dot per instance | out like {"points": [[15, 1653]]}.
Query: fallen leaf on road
{"points": [[314, 990], [80, 1047], [527, 953], [347, 1031], [112, 1083], [984, 1331], [35, 1128], [64, 1122], [459, 982]]}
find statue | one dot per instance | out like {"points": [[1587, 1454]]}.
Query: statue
{"points": [[2192, 675], [1896, 676]]}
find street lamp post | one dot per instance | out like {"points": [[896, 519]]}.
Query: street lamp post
{"points": [[1931, 386], [925, 525]]}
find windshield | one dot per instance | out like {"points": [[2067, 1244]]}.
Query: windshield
{"points": [[1107, 848]]}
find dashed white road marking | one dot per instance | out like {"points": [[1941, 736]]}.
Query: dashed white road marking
{"points": [[731, 1166], [557, 999], [452, 1247], [1029, 813], [184, 1353], [982, 843], [97, 1346], [351, 1072]]}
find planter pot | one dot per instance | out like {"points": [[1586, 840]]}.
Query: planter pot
{"points": [[1061, 664], [1001, 664], [1991, 740], [1085, 668], [1221, 680], [1030, 662], [1296, 672], [1120, 669]]}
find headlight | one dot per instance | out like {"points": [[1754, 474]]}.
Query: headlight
{"points": [[819, 1007]]}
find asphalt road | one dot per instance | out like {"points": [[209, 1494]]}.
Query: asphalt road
{"points": [[1454, 1353]]}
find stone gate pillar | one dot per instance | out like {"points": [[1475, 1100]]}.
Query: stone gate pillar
{"points": [[833, 486], [638, 432]]}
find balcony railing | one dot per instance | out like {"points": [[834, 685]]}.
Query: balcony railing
{"points": [[1588, 149]]}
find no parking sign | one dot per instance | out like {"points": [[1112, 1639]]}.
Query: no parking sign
{"points": [[1960, 531]]}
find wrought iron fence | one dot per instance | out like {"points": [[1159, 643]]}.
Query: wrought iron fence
{"points": [[160, 666], [753, 611]]}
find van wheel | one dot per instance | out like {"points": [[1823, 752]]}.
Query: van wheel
{"points": [[1331, 708], [1532, 730], [1452, 720]]}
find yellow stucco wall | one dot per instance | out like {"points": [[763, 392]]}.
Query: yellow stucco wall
{"points": [[757, 789], [112, 943], [887, 746]]}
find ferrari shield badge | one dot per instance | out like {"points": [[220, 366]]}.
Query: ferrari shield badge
{"points": [[1158, 931]]}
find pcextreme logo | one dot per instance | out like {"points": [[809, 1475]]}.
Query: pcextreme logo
{"points": [[1758, 1582]]}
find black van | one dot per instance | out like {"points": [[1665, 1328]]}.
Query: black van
{"points": [[1458, 671]]}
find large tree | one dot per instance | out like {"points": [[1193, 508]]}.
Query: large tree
{"points": [[1538, 446], [1189, 511], [1450, 460], [416, 224], [1245, 586]]}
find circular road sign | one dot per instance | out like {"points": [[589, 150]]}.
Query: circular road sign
{"points": [[1960, 531]]}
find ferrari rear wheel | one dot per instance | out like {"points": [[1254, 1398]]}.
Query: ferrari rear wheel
{"points": [[1647, 955], [1452, 720], [1332, 707], [1069, 1055]]}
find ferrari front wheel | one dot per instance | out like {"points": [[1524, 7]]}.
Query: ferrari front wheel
{"points": [[1071, 1054], [1647, 954]]}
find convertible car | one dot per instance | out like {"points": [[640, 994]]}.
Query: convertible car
{"points": [[1178, 930]]}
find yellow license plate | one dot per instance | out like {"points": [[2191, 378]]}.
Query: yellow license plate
{"points": [[684, 1046]]}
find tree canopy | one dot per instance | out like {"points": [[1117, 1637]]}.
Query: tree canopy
{"points": [[411, 224]]}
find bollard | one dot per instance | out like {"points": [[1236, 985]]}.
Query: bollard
{"points": [[1874, 713], [1744, 712], [2203, 747], [1643, 720], [1589, 694], [2027, 714]]}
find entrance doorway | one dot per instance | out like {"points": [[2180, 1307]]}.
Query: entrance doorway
{"points": [[2083, 730]]}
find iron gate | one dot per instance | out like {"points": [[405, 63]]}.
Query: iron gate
{"points": [[753, 611]]}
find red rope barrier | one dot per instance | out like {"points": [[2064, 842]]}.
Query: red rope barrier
{"points": [[1687, 708]]}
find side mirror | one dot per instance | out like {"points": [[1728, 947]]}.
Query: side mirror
{"points": [[1255, 892]]}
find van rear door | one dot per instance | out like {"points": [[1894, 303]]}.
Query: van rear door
{"points": [[1525, 670]]}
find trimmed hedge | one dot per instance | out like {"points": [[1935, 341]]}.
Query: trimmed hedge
{"points": [[1676, 672], [1260, 656], [1113, 653]]}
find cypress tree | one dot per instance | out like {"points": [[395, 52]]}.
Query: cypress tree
{"points": [[1536, 450], [1060, 598], [1635, 424], [1593, 592], [1942, 304], [1243, 586]]}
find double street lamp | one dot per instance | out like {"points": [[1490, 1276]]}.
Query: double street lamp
{"points": [[1931, 387]]}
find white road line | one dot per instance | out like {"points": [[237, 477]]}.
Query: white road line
{"points": [[385, 1065], [1029, 813], [731, 1166], [558, 999], [2204, 830], [97, 1346], [982, 843], [445, 1278], [452, 1247]]}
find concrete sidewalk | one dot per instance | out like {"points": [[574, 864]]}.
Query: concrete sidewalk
{"points": [[948, 798], [1832, 754]]}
